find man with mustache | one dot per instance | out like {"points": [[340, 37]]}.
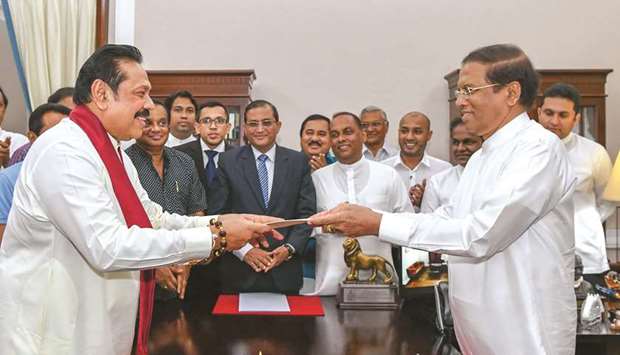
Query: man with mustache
{"points": [[79, 248], [353, 179], [413, 164], [314, 140], [375, 124], [559, 113], [509, 228], [170, 180], [182, 108], [441, 186]]}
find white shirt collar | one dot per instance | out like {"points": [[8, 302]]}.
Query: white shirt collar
{"points": [[271, 153], [507, 132], [220, 147], [354, 166], [399, 161], [566, 140]]}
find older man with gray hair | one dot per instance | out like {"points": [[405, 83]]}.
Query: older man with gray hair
{"points": [[375, 125]]}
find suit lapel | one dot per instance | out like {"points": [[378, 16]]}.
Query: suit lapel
{"points": [[199, 156], [279, 176], [248, 164]]}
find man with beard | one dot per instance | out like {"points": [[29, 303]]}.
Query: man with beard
{"points": [[509, 227], [413, 164], [314, 140], [182, 108], [352, 179], [375, 125], [170, 180], [441, 186]]}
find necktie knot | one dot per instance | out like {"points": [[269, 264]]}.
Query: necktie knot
{"points": [[263, 158], [211, 153]]}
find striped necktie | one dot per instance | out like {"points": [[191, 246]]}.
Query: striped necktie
{"points": [[263, 178]]}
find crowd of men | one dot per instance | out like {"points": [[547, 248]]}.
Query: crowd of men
{"points": [[187, 166]]}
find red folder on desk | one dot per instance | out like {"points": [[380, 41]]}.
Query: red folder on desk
{"points": [[299, 305]]}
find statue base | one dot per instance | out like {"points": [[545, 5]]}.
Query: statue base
{"points": [[360, 295]]}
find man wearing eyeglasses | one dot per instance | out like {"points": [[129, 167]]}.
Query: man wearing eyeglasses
{"points": [[375, 125], [212, 126], [508, 228], [267, 179]]}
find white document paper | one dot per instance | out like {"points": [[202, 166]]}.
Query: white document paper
{"points": [[263, 302]]}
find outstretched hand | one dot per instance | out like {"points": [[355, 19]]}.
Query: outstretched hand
{"points": [[348, 219], [248, 228]]}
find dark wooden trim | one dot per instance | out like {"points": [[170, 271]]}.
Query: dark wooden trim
{"points": [[203, 83], [101, 26]]}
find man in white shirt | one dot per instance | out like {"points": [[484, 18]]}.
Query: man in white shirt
{"points": [[352, 179], [9, 141], [441, 186], [559, 113], [74, 240], [182, 108], [413, 164], [509, 226], [375, 124]]}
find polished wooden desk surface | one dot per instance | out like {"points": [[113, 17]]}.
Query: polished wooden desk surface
{"points": [[190, 328]]}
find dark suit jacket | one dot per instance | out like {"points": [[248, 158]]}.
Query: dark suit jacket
{"points": [[194, 150], [237, 190]]}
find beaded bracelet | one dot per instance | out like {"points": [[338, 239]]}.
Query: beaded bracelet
{"points": [[215, 252]]}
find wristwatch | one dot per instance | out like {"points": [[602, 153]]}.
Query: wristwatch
{"points": [[291, 251]]}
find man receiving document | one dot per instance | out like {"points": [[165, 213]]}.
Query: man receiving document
{"points": [[509, 226], [82, 226]]}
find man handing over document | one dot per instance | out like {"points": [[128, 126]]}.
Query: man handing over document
{"points": [[508, 226], [82, 225]]}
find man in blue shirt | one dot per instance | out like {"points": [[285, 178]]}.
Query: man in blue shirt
{"points": [[41, 119]]}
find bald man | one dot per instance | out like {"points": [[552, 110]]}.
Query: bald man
{"points": [[413, 164]]}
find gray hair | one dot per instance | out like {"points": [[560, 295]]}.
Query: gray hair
{"points": [[369, 109]]}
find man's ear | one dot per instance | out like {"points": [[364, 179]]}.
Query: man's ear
{"points": [[514, 93], [31, 136], [100, 94]]}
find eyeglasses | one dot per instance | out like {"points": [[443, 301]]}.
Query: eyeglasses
{"points": [[468, 91], [219, 121], [375, 125], [255, 124]]}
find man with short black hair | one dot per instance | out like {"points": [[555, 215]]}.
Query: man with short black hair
{"points": [[264, 178], [375, 124], [314, 141], [509, 228], [84, 226], [559, 113], [63, 96], [9, 141], [182, 108], [41, 119]]}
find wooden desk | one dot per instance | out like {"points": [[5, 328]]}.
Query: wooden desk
{"points": [[189, 328]]}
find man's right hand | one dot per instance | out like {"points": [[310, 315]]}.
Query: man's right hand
{"points": [[317, 161], [5, 151], [248, 228], [165, 278], [258, 259], [416, 193]]}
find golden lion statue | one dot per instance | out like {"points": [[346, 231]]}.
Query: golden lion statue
{"points": [[356, 260]]}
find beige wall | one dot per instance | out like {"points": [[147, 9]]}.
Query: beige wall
{"points": [[16, 118], [325, 56]]}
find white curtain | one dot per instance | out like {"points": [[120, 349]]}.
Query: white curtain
{"points": [[54, 37]]}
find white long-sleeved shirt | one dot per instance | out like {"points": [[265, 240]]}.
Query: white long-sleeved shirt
{"points": [[367, 183], [174, 141], [509, 232], [68, 262], [592, 167], [439, 188]]}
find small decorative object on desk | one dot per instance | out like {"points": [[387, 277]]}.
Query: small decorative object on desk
{"points": [[582, 287], [354, 293], [611, 279], [415, 270], [592, 311], [436, 265]]}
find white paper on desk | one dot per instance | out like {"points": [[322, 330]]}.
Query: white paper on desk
{"points": [[263, 302]]}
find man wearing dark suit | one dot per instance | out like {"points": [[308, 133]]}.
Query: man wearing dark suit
{"points": [[212, 126], [267, 179]]}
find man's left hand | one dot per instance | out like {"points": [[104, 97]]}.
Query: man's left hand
{"points": [[278, 256], [181, 272]]}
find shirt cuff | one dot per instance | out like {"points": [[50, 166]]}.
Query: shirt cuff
{"points": [[202, 221], [198, 242], [241, 252], [396, 229]]}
